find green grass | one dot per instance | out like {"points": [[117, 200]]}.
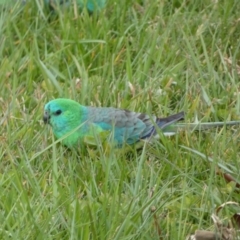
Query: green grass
{"points": [[150, 56]]}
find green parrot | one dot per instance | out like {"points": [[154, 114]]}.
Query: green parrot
{"points": [[76, 124], [91, 5]]}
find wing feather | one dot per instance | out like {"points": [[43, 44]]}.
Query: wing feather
{"points": [[128, 126]]}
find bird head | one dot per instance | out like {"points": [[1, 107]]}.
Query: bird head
{"points": [[63, 115]]}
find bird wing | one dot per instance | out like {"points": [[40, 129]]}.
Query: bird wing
{"points": [[127, 126]]}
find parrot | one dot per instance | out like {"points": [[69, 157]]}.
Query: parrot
{"points": [[91, 5], [76, 124]]}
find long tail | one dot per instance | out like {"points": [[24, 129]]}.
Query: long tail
{"points": [[163, 122], [166, 124], [170, 127]]}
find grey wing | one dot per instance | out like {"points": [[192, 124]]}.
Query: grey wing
{"points": [[132, 125]]}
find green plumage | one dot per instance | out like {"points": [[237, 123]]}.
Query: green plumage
{"points": [[90, 5], [77, 124]]}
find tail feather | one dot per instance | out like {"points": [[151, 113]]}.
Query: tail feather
{"points": [[166, 123], [163, 122]]}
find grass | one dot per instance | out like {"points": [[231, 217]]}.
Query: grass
{"points": [[157, 57]]}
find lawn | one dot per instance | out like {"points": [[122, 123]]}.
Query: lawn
{"points": [[153, 56]]}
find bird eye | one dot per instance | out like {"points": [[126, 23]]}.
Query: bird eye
{"points": [[58, 112]]}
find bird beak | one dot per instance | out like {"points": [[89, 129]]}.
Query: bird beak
{"points": [[46, 117]]}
